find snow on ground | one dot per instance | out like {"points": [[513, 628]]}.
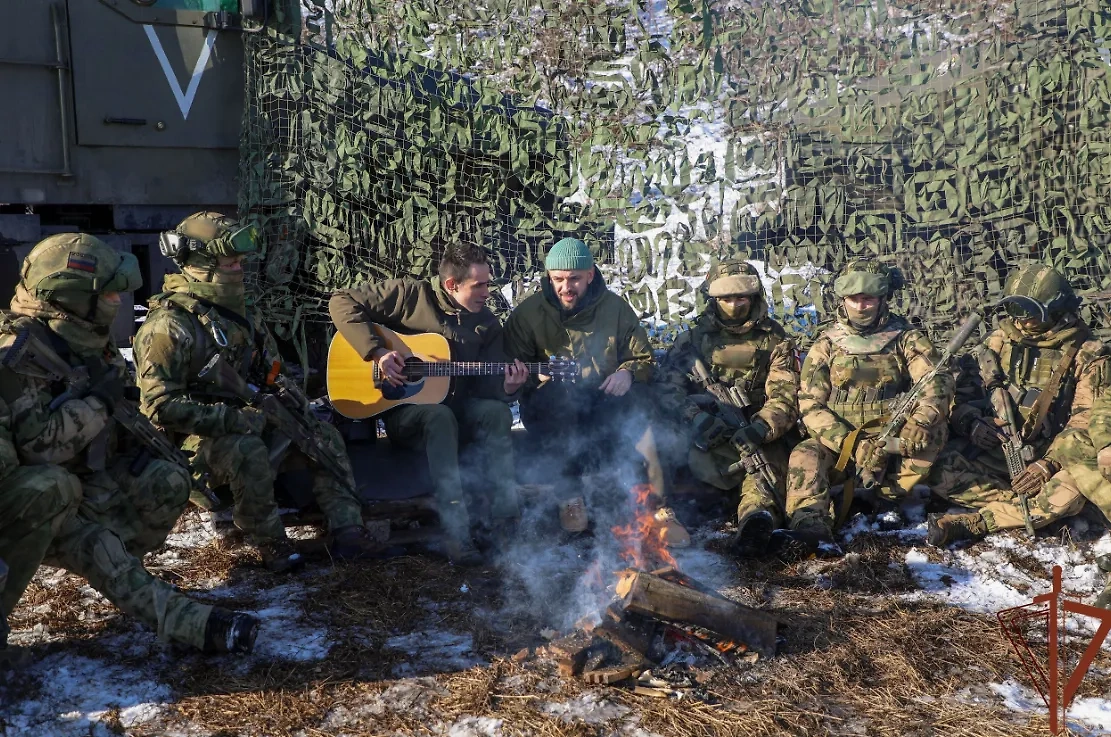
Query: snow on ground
{"points": [[79, 694], [433, 651]]}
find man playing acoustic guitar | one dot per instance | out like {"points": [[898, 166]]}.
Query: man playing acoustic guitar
{"points": [[452, 305]]}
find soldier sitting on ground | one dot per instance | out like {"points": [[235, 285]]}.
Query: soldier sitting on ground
{"points": [[851, 380], [741, 347], [598, 422], [453, 305], [67, 298], [1097, 489], [203, 312], [1052, 370]]}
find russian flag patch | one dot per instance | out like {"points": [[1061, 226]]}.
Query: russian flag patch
{"points": [[82, 262]]}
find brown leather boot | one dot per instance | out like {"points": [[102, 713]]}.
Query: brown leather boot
{"points": [[945, 529], [279, 555]]}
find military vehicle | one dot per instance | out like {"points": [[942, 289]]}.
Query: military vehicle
{"points": [[122, 117]]}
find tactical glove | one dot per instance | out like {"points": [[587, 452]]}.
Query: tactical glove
{"points": [[869, 455], [1103, 460], [752, 437], [985, 433], [246, 421], [708, 431], [914, 438], [1034, 477], [106, 384]]}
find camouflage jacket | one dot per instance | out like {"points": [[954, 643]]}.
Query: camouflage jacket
{"points": [[604, 335], [78, 434], [1027, 363], [418, 306], [1099, 428], [9, 457], [851, 379], [181, 333], [756, 357]]}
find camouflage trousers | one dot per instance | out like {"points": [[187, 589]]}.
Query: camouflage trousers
{"points": [[437, 429], [121, 518], [243, 463], [35, 502], [812, 472], [984, 483], [711, 467]]}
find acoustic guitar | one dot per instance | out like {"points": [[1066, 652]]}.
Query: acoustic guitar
{"points": [[358, 390]]}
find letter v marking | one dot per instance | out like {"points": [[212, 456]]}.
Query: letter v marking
{"points": [[184, 98]]}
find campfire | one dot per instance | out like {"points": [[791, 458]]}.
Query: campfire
{"points": [[657, 610]]}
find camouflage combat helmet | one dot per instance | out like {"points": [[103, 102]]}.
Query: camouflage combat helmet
{"points": [[733, 276], [1040, 284], [208, 235], [72, 269], [865, 276]]}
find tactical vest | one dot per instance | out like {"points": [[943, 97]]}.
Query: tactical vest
{"points": [[740, 360], [1028, 370], [213, 332], [866, 373]]}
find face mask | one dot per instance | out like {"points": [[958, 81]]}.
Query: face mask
{"points": [[862, 318], [106, 312], [734, 311]]}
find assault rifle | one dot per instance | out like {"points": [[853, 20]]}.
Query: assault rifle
{"points": [[732, 402], [1016, 452], [31, 356], [284, 410], [889, 436]]}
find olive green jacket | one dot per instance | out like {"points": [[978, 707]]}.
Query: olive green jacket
{"points": [[416, 306], [603, 335]]}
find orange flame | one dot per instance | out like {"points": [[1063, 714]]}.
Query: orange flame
{"points": [[643, 541]]}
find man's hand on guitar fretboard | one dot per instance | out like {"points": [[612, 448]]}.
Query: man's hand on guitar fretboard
{"points": [[516, 374]]}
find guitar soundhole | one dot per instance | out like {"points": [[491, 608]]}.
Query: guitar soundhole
{"points": [[413, 374]]}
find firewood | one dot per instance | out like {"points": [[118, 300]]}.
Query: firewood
{"points": [[652, 596], [624, 637], [611, 675]]}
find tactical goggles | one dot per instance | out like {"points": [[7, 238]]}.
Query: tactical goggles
{"points": [[126, 278], [1020, 307], [235, 243], [239, 242]]}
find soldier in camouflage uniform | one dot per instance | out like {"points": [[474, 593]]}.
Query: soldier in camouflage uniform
{"points": [[35, 501], [201, 312], [741, 346], [851, 379], [1098, 489], [1026, 350], [67, 297]]}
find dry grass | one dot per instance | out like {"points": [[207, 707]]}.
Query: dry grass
{"points": [[856, 660]]}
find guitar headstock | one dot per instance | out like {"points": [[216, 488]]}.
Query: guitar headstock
{"points": [[562, 368]]}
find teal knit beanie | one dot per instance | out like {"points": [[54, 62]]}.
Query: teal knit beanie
{"points": [[569, 254]]}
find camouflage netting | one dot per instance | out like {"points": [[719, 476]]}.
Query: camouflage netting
{"points": [[953, 138]]}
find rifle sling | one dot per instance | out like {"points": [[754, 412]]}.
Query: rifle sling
{"points": [[1040, 411], [844, 458]]}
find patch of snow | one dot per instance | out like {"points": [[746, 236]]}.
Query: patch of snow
{"points": [[1085, 715], [434, 651], [78, 693], [589, 708], [475, 727], [283, 634]]}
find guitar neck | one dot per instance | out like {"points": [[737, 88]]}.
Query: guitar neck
{"points": [[474, 368]]}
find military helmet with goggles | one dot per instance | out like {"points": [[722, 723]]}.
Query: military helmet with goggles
{"points": [[864, 276], [209, 234], [78, 263], [733, 277], [1038, 291]]}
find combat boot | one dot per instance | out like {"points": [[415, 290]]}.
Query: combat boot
{"points": [[810, 536], [753, 534], [230, 632], [945, 529], [279, 555], [890, 515], [353, 542]]}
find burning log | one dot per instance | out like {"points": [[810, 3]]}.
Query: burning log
{"points": [[653, 596]]}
